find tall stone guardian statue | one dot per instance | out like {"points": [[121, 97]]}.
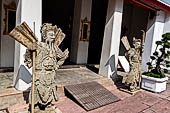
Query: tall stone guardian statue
{"points": [[48, 58]]}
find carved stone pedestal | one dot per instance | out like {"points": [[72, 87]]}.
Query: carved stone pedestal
{"points": [[52, 109], [130, 92]]}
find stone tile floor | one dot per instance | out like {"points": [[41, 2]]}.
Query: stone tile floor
{"points": [[64, 76], [6, 80], [75, 75]]}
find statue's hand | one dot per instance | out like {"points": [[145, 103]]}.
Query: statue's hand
{"points": [[28, 59], [66, 52], [56, 67], [33, 47]]}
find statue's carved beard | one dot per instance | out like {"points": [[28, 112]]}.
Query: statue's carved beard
{"points": [[50, 42]]}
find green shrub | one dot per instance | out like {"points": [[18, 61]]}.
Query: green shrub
{"points": [[150, 74], [160, 57]]}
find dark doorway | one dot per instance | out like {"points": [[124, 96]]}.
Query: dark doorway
{"points": [[98, 19], [134, 20], [60, 13]]}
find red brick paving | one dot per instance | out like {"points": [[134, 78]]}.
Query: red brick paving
{"points": [[166, 92], [147, 99], [162, 107], [148, 111], [120, 94], [69, 106], [143, 102]]}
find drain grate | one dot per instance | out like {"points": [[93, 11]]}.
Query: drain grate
{"points": [[91, 95]]}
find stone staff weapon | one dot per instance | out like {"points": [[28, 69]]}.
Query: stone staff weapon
{"points": [[142, 49], [33, 77], [24, 35], [143, 41]]}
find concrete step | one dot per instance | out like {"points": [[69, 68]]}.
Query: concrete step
{"points": [[106, 82], [11, 97], [19, 108]]}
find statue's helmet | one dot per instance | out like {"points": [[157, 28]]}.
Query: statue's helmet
{"points": [[136, 42], [48, 27]]}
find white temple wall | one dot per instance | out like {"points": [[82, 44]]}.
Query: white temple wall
{"points": [[29, 11], [111, 40], [154, 33], [79, 49], [0, 24], [7, 44], [167, 23]]}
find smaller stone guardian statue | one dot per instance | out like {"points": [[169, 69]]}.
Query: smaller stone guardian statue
{"points": [[134, 56]]}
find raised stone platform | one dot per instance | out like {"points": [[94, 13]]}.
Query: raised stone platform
{"points": [[78, 75]]}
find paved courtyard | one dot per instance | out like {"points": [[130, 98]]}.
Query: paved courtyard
{"points": [[142, 102]]}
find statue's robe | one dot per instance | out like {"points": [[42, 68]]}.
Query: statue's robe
{"points": [[47, 61]]}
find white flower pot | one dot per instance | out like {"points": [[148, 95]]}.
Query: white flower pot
{"points": [[154, 84]]}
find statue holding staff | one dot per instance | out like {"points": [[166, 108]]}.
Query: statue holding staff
{"points": [[48, 58], [134, 56]]}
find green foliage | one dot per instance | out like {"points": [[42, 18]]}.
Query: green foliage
{"points": [[149, 63], [168, 65], [150, 74], [159, 57], [165, 71], [155, 53], [152, 57], [168, 52], [158, 43], [167, 62]]}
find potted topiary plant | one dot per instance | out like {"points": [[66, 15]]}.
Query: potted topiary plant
{"points": [[155, 79]]}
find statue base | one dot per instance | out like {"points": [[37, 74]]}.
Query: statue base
{"points": [[125, 89], [52, 109]]}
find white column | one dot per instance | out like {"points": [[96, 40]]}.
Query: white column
{"points": [[154, 33], [167, 27], [167, 23], [29, 11], [111, 41], [79, 49]]}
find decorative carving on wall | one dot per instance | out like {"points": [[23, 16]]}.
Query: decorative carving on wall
{"points": [[10, 17], [85, 30]]}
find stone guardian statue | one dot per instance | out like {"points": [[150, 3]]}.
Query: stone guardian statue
{"points": [[134, 57], [48, 59], [45, 57]]}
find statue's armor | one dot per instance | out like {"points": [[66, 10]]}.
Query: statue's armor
{"points": [[134, 59], [47, 61]]}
